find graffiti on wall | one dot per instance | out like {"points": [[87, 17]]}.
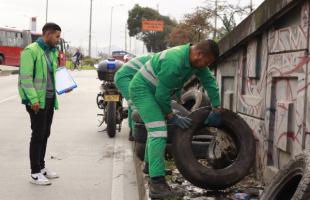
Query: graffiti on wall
{"points": [[271, 88]]}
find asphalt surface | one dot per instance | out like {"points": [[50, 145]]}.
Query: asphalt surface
{"points": [[90, 164]]}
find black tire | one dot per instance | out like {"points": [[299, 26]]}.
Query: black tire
{"points": [[179, 109], [194, 99], [208, 177], [292, 182], [111, 119], [1, 60], [140, 150]]}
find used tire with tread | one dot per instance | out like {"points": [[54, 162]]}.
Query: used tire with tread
{"points": [[111, 119], [208, 177], [292, 182], [194, 98]]}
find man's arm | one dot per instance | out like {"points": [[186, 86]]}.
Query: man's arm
{"points": [[209, 83], [167, 83], [26, 76]]}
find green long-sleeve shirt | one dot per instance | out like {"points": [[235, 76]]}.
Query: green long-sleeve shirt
{"points": [[172, 69], [126, 73]]}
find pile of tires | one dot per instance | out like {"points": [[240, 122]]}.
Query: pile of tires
{"points": [[292, 182]]}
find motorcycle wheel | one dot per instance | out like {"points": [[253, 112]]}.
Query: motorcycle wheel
{"points": [[111, 119]]}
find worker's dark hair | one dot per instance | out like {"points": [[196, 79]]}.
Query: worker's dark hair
{"points": [[50, 27], [208, 46]]}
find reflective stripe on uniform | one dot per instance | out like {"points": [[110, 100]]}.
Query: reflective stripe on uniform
{"points": [[156, 134], [155, 124], [38, 80], [39, 86], [27, 85], [163, 55], [148, 76], [149, 68], [137, 62], [130, 65], [25, 77]]}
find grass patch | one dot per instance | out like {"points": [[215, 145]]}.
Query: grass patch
{"points": [[70, 66]]}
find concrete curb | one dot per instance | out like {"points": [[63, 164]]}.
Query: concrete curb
{"points": [[142, 180], [8, 70]]}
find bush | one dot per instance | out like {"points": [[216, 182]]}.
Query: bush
{"points": [[89, 61]]}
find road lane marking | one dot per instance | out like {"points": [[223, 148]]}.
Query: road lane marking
{"points": [[8, 99]]}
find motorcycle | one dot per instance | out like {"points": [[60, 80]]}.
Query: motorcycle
{"points": [[109, 98]]}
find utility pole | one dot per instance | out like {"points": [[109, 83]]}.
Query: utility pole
{"points": [[46, 12], [125, 37], [251, 5], [130, 44], [90, 22], [110, 31], [215, 20]]}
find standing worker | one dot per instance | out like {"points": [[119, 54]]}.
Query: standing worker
{"points": [[151, 90], [39, 61], [122, 79]]}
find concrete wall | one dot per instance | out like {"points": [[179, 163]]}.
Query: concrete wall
{"points": [[265, 79]]}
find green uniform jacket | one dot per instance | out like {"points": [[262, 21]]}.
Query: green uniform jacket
{"points": [[170, 69], [126, 73], [33, 74]]}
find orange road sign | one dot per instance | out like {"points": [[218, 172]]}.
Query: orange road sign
{"points": [[153, 25]]}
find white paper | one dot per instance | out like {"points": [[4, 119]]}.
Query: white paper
{"points": [[64, 80]]}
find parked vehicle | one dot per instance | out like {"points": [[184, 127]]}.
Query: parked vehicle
{"points": [[13, 41], [120, 55], [109, 99]]}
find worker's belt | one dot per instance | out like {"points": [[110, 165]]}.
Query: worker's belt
{"points": [[148, 73]]}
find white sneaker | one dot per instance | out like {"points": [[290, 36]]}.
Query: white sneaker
{"points": [[49, 174], [39, 179]]}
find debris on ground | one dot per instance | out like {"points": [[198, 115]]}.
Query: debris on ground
{"points": [[247, 189]]}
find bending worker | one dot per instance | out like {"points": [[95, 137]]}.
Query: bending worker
{"points": [[150, 91], [122, 79]]}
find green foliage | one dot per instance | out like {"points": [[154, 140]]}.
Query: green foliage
{"points": [[154, 41], [89, 61], [193, 28]]}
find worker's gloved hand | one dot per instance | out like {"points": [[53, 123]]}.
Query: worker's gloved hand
{"points": [[182, 122], [214, 118]]}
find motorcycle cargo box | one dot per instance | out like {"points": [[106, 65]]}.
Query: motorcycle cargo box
{"points": [[107, 69]]}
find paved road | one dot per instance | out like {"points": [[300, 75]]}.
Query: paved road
{"points": [[91, 165]]}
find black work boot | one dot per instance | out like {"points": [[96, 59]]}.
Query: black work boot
{"points": [[146, 170], [160, 189], [130, 137]]}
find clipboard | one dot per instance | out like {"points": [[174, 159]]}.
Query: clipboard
{"points": [[64, 81]]}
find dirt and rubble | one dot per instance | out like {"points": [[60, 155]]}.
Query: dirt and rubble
{"points": [[249, 185]]}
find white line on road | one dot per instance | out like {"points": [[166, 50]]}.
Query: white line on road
{"points": [[8, 99]]}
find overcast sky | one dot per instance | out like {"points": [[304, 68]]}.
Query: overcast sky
{"points": [[73, 17]]}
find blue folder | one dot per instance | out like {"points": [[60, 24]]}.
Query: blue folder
{"points": [[64, 81]]}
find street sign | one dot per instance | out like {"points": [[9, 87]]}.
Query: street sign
{"points": [[153, 25]]}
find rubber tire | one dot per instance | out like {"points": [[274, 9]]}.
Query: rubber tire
{"points": [[1, 60], [111, 119], [291, 182], [210, 178], [194, 99]]}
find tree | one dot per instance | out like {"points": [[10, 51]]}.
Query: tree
{"points": [[154, 41], [193, 28], [226, 13]]}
